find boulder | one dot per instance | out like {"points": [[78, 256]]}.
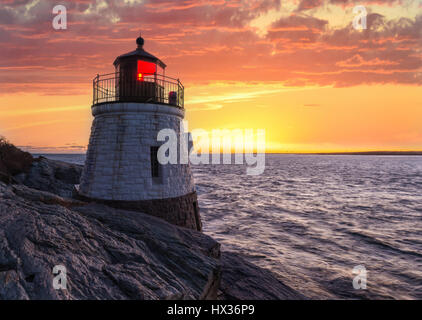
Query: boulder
{"points": [[54, 176], [242, 280]]}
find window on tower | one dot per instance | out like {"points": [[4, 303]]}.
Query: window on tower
{"points": [[155, 165], [145, 69]]}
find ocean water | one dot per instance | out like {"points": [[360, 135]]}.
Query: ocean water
{"points": [[312, 218]]}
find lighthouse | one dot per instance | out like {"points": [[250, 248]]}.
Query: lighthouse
{"points": [[130, 107]]}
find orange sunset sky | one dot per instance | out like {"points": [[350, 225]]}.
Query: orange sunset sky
{"points": [[296, 68]]}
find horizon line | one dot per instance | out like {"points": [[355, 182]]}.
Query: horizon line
{"points": [[368, 152]]}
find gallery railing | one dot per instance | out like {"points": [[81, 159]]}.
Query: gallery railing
{"points": [[127, 87]]}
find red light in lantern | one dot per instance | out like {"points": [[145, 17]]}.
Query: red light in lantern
{"points": [[146, 69]]}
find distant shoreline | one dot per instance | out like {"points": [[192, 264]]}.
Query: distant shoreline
{"points": [[358, 153], [366, 153]]}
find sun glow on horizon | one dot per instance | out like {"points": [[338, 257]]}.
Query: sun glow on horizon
{"points": [[296, 69]]}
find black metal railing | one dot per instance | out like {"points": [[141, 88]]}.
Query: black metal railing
{"points": [[125, 87]]}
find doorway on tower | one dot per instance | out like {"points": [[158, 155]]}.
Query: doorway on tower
{"points": [[156, 167]]}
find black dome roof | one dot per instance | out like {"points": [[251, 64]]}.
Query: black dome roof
{"points": [[140, 53], [140, 41]]}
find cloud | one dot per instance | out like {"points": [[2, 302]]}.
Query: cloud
{"points": [[389, 51], [32, 124], [12, 112], [206, 107], [232, 97], [309, 4], [218, 95], [312, 4], [203, 42]]}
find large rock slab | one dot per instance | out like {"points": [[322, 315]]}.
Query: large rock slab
{"points": [[54, 176], [242, 280], [108, 253]]}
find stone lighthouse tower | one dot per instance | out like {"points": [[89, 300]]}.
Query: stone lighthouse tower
{"points": [[130, 107]]}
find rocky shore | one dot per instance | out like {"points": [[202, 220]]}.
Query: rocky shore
{"points": [[109, 253]]}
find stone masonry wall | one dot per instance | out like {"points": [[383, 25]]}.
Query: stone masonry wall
{"points": [[118, 165], [181, 211]]}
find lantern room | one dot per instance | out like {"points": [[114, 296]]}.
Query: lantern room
{"points": [[139, 77], [139, 64]]}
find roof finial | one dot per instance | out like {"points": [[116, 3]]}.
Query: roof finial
{"points": [[140, 41]]}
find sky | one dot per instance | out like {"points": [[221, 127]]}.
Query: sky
{"points": [[296, 68]]}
